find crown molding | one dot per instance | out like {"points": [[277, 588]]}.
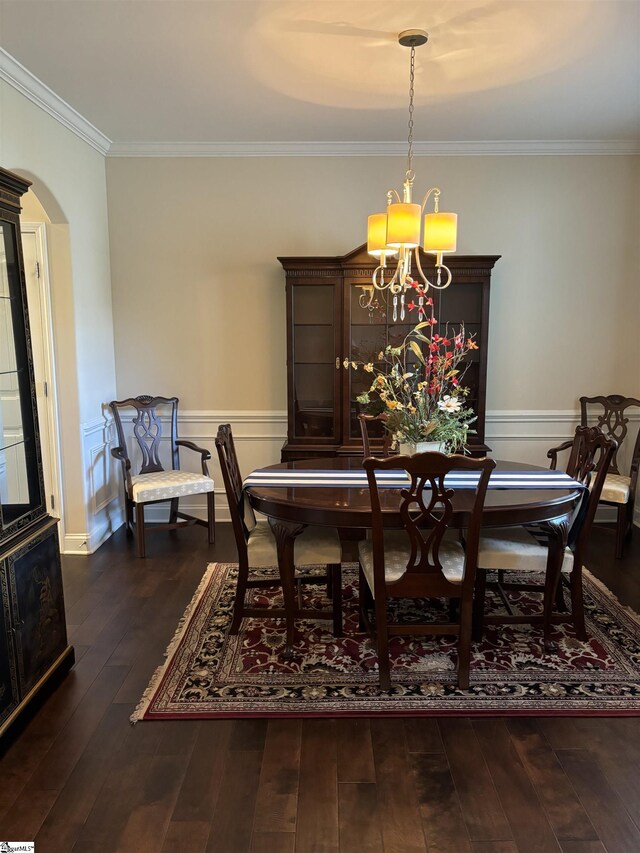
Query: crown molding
{"points": [[21, 79], [16, 75], [521, 147]]}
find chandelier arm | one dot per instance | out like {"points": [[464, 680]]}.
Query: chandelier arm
{"points": [[433, 190], [391, 193], [421, 272]]}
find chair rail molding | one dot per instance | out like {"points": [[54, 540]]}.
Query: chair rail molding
{"points": [[522, 435]]}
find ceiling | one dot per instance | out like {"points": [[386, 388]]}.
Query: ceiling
{"points": [[217, 71]]}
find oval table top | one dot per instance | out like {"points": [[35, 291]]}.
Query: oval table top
{"points": [[349, 507]]}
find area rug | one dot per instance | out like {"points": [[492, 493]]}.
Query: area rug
{"points": [[209, 674]]}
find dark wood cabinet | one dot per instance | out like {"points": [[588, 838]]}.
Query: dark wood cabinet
{"points": [[326, 325], [33, 637]]}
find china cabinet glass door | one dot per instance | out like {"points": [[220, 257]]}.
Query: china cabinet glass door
{"points": [[20, 476], [314, 372]]}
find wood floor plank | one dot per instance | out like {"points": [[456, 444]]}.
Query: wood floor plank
{"points": [[481, 807], [615, 742], [444, 826], [572, 846], [273, 842], [317, 816], [204, 777], [27, 815], [108, 817], [355, 751], [495, 847], [186, 837], [150, 812], [64, 823], [423, 735], [529, 822], [559, 800], [606, 810], [402, 829], [277, 800], [359, 822], [232, 819]]}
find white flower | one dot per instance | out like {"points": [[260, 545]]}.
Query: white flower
{"points": [[449, 404]]}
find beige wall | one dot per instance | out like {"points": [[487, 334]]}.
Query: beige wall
{"points": [[69, 180], [198, 295]]}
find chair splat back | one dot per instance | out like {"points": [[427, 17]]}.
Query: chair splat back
{"points": [[612, 420], [147, 429], [426, 508], [588, 452]]}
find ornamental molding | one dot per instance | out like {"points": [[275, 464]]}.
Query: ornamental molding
{"points": [[23, 81], [444, 148]]}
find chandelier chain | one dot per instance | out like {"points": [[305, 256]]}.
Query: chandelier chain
{"points": [[411, 80]]}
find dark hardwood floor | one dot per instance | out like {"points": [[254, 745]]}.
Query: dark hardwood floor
{"points": [[79, 777]]}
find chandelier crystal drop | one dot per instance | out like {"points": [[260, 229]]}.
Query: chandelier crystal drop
{"points": [[397, 231]]}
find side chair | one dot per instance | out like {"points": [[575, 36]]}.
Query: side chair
{"points": [[619, 490], [535, 549], [425, 559], [366, 423], [154, 483], [257, 549]]}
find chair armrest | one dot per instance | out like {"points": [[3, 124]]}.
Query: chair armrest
{"points": [[206, 454], [552, 454], [120, 454]]}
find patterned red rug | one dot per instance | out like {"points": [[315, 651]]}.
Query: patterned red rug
{"points": [[209, 674]]}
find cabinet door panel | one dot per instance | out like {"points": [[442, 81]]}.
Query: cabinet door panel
{"points": [[37, 606], [314, 375], [8, 673]]}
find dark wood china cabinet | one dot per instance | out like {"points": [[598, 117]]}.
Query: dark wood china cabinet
{"points": [[33, 636], [326, 325]]}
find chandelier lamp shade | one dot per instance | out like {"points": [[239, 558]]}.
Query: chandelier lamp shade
{"points": [[405, 226]]}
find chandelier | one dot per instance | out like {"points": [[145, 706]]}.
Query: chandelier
{"points": [[397, 231]]}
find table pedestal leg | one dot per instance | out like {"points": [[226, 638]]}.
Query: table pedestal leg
{"points": [[285, 533]]}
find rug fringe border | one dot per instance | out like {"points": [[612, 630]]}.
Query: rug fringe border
{"points": [[142, 706]]}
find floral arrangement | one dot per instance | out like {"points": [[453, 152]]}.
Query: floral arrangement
{"points": [[423, 397]]}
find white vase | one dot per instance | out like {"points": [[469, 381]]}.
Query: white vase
{"points": [[409, 448]]}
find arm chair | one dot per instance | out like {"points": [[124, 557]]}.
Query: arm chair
{"points": [[154, 484], [537, 549], [619, 490], [425, 560], [366, 423], [257, 549]]}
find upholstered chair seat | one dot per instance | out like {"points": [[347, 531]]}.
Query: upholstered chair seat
{"points": [[314, 546], [163, 485], [616, 489], [397, 554], [516, 549]]}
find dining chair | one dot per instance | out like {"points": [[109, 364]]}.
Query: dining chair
{"points": [[424, 560], [536, 550], [257, 549], [155, 484], [367, 422], [619, 490]]}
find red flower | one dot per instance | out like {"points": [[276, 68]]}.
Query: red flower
{"points": [[412, 305]]}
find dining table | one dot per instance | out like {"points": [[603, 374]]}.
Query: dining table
{"points": [[347, 507]]}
